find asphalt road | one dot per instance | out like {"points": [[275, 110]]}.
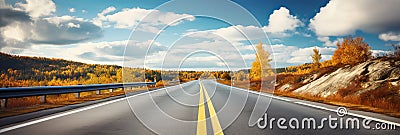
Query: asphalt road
{"points": [[176, 110]]}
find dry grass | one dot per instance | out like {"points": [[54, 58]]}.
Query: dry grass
{"points": [[295, 80], [385, 99], [350, 102]]}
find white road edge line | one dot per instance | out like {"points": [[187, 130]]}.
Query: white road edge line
{"points": [[349, 113], [315, 106], [74, 111]]}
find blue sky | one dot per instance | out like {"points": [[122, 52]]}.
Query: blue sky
{"points": [[192, 34]]}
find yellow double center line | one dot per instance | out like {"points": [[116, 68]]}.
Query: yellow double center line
{"points": [[201, 118]]}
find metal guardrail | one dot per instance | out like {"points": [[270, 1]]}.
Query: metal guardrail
{"points": [[16, 92]]}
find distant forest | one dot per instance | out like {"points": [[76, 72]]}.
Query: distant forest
{"points": [[23, 71]]}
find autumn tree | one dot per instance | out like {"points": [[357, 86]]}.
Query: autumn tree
{"points": [[396, 51], [261, 68], [225, 76], [352, 51], [239, 76], [316, 57]]}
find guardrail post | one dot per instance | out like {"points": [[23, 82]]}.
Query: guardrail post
{"points": [[43, 99], [98, 92], [3, 103], [111, 90], [78, 95]]}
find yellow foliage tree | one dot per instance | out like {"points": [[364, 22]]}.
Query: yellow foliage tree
{"points": [[261, 67], [316, 57], [351, 51]]}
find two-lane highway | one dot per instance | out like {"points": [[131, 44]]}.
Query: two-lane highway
{"points": [[197, 107]]}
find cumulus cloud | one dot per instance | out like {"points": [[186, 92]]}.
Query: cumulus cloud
{"points": [[11, 33], [54, 30], [105, 52], [282, 52], [129, 17], [23, 26], [72, 10], [65, 30], [390, 36], [9, 15], [344, 17], [328, 42], [37, 8], [281, 24], [134, 49], [202, 54], [93, 56], [287, 54], [282, 21], [303, 55], [231, 33]]}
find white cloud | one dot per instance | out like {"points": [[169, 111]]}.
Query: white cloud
{"points": [[130, 17], [52, 30], [63, 30], [72, 25], [287, 55], [232, 56], [101, 16], [33, 22], [390, 36], [281, 24], [12, 37], [276, 40], [379, 52], [58, 20], [107, 10], [344, 17], [14, 32], [328, 42], [84, 11], [231, 33], [72, 10], [282, 52], [86, 53], [306, 35], [105, 52], [134, 49], [37, 8], [303, 55], [281, 21]]}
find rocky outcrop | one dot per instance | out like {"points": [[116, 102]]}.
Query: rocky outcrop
{"points": [[285, 87], [376, 71]]}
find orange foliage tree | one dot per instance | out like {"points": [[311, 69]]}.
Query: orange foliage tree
{"points": [[352, 51]]}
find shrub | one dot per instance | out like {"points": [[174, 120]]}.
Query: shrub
{"points": [[351, 51], [396, 51]]}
